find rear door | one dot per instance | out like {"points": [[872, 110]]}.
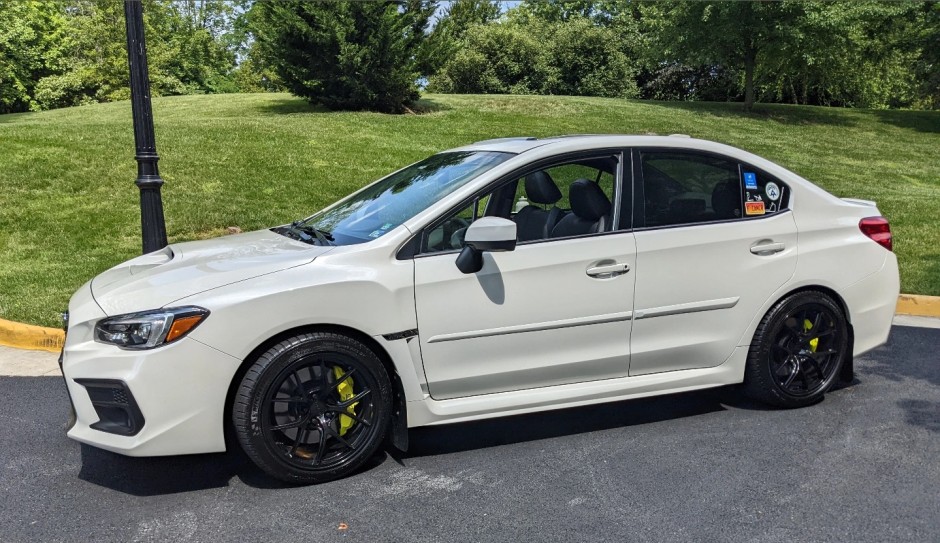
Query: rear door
{"points": [[714, 239]]}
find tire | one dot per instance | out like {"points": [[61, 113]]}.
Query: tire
{"points": [[798, 351], [313, 408]]}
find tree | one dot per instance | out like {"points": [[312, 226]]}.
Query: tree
{"points": [[345, 55], [30, 46], [454, 21], [186, 50], [532, 56], [728, 34]]}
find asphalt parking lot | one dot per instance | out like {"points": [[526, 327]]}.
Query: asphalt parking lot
{"points": [[863, 465]]}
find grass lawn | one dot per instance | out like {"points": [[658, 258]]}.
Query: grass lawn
{"points": [[69, 208]]}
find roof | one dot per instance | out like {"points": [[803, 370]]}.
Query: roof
{"points": [[522, 144]]}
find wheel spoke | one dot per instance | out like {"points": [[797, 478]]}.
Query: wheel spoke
{"points": [[296, 382], [321, 448], [291, 399], [817, 367], [815, 325], [351, 415], [792, 376], [288, 425], [353, 400], [340, 380], [812, 356], [335, 435], [299, 440]]}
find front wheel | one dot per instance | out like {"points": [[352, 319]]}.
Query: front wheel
{"points": [[797, 351], [313, 408]]}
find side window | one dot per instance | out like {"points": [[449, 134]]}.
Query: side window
{"points": [[763, 194], [448, 235], [681, 187], [569, 199]]}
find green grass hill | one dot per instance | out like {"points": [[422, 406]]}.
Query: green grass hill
{"points": [[69, 208]]}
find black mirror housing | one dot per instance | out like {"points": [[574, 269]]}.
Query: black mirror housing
{"points": [[470, 260]]}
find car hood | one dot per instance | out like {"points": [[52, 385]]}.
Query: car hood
{"points": [[156, 279]]}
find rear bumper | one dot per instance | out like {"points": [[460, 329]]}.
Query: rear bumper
{"points": [[872, 303]]}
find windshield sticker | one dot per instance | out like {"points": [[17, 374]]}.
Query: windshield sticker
{"points": [[754, 208], [751, 197], [772, 191], [376, 233], [750, 180], [388, 225]]}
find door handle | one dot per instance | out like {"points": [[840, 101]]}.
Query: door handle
{"points": [[764, 249], [607, 270]]}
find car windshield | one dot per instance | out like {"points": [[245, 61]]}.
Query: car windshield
{"points": [[378, 209]]}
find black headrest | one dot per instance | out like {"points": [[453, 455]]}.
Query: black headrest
{"points": [[540, 189], [726, 200], [588, 200]]}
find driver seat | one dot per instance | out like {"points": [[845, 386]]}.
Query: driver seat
{"points": [[533, 222]]}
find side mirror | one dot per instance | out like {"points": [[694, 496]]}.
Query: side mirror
{"points": [[486, 234]]}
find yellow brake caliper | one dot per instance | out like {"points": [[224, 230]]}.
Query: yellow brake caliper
{"points": [[813, 343], [345, 390]]}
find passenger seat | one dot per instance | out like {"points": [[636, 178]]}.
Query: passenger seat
{"points": [[533, 222]]}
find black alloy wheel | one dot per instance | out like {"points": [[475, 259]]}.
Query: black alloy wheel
{"points": [[797, 351], [313, 408]]}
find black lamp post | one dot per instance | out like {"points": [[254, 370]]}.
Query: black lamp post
{"points": [[153, 227]]}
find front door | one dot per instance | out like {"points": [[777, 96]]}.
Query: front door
{"points": [[556, 310]]}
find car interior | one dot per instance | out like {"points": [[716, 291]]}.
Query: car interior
{"points": [[569, 199]]}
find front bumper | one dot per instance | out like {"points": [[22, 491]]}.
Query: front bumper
{"points": [[179, 391]]}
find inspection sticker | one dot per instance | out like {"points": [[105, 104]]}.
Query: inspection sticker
{"points": [[753, 208], [772, 191], [750, 180]]}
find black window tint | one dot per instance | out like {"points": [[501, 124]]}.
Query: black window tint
{"points": [[680, 187], [763, 194]]}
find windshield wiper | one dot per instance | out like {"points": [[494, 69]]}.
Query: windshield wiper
{"points": [[325, 238]]}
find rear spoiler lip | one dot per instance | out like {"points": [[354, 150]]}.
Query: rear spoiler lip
{"points": [[860, 202]]}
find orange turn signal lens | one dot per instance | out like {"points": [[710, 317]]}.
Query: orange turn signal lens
{"points": [[181, 326]]}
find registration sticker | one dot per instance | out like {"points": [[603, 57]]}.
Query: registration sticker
{"points": [[750, 180], [754, 208]]}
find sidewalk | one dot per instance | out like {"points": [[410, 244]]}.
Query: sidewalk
{"points": [[21, 363]]}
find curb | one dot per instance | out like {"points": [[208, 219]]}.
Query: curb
{"points": [[27, 336], [921, 306], [40, 338]]}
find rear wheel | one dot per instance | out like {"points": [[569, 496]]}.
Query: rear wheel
{"points": [[797, 351], [313, 408]]}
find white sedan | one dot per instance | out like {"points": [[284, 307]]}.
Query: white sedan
{"points": [[504, 277]]}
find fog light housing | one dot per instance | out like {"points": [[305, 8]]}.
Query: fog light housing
{"points": [[115, 406]]}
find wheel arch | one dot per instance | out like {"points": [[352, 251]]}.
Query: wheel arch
{"points": [[848, 365], [398, 428]]}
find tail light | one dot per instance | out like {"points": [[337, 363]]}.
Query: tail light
{"points": [[878, 229]]}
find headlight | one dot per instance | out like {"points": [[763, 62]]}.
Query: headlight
{"points": [[149, 329]]}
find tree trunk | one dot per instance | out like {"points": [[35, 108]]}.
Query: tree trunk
{"points": [[750, 59]]}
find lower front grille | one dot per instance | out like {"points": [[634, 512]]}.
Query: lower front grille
{"points": [[113, 402]]}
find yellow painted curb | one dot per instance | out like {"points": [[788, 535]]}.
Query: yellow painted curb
{"points": [[924, 306], [27, 336]]}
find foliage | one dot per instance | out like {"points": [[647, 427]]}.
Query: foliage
{"points": [[533, 56], [493, 59], [454, 21], [30, 47], [345, 55]]}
